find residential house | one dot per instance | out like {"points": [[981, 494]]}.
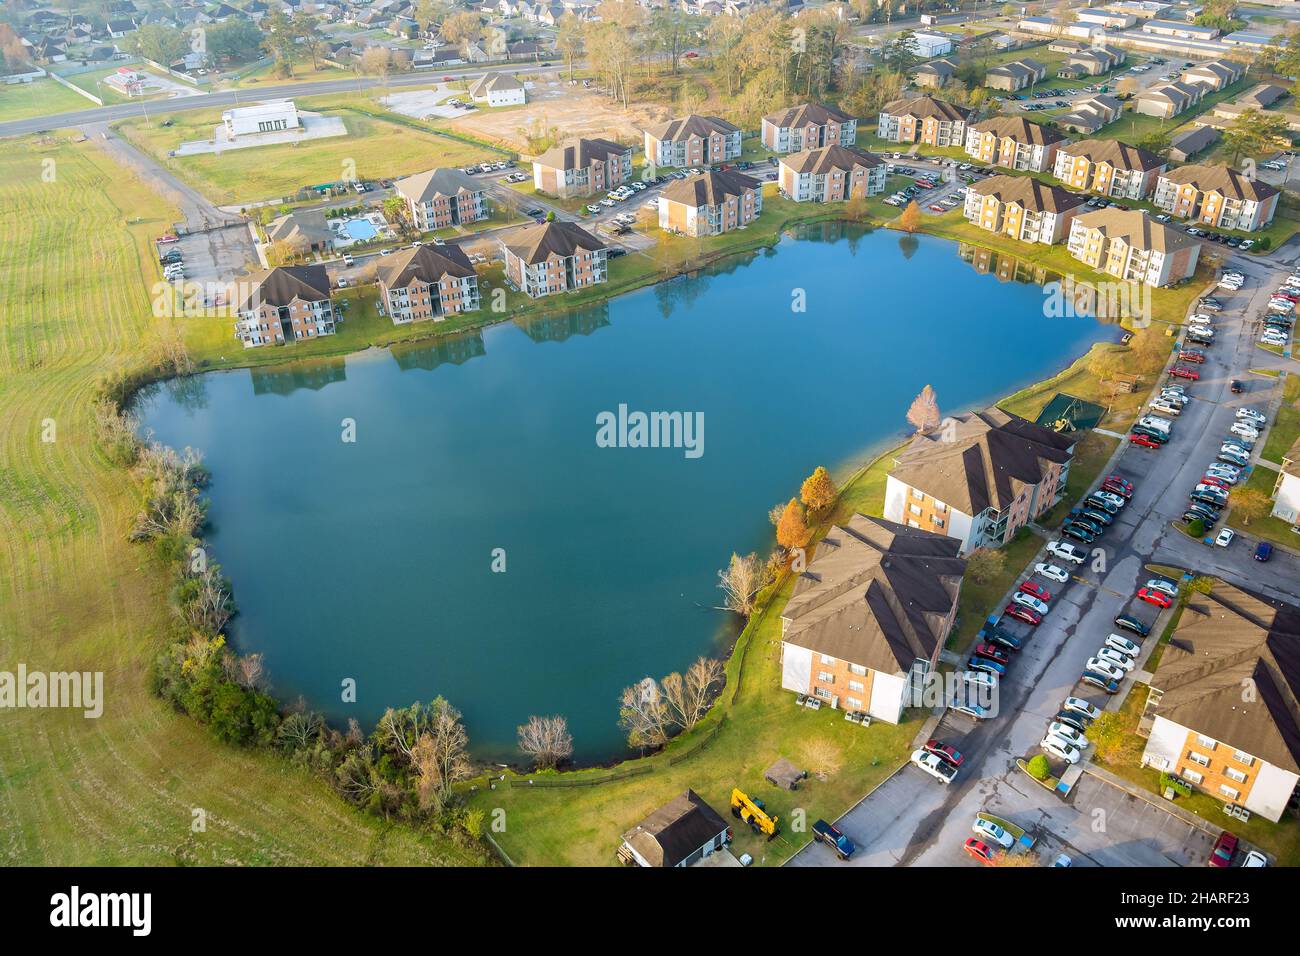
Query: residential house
{"points": [[1095, 61], [710, 203], [1222, 712], [442, 197], [1133, 247], [831, 174], [1168, 99], [303, 231], [923, 119], [284, 305], [808, 126], [1109, 168], [979, 478], [1016, 76], [1013, 142], [427, 282], [581, 167], [1259, 98], [498, 89], [1087, 116], [1183, 146], [551, 257], [693, 141], [1220, 197], [934, 74], [1286, 490], [867, 619], [681, 833], [1023, 208], [1214, 75]]}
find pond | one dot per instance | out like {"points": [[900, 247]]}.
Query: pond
{"points": [[380, 559]]}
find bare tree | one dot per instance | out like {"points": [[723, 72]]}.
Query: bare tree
{"points": [[300, 730], [689, 697], [924, 413], [439, 756], [546, 740], [741, 581], [206, 604], [644, 714]]}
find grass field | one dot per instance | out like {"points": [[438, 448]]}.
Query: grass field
{"points": [[374, 148], [74, 595], [39, 98], [1286, 423]]}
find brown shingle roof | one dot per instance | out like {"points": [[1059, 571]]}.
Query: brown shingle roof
{"points": [[826, 158], [926, 107], [1136, 229], [808, 113], [1221, 179], [280, 286], [1019, 129], [1117, 154], [693, 125], [426, 263], [581, 153], [676, 830], [436, 182], [1226, 642], [708, 188], [876, 593], [1029, 193], [983, 461], [539, 242]]}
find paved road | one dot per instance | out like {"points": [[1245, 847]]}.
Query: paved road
{"points": [[108, 114], [913, 820]]}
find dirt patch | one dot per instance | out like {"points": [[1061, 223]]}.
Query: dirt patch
{"points": [[574, 112]]}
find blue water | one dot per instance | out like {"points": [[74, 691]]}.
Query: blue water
{"points": [[373, 560], [360, 229]]}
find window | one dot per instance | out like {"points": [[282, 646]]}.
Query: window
{"points": [[827, 659], [857, 685], [940, 507], [853, 702], [822, 692], [915, 509], [1243, 758], [858, 669], [826, 677], [1201, 759], [918, 494], [1207, 742], [938, 522], [1230, 792], [1234, 774], [1191, 776]]}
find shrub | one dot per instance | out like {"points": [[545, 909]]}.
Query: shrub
{"points": [[1039, 768], [1196, 528]]}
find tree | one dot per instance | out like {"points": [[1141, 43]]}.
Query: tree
{"points": [[1157, 142], [568, 39], [643, 714], [462, 27], [234, 39], [1255, 132], [792, 531], [377, 61], [1115, 743], [439, 757], [546, 740], [900, 54], [910, 220], [281, 40], [983, 565], [741, 581], [1039, 768], [158, 42], [1248, 503], [924, 411], [688, 698], [429, 14], [818, 491], [307, 32]]}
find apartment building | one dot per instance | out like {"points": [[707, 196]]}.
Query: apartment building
{"points": [[1088, 115], [1214, 75], [710, 203], [427, 282], [1096, 60], [867, 619], [581, 167], [1023, 208], [934, 74], [284, 305], [831, 174], [979, 478], [693, 141], [810, 126], [1014, 143], [923, 119], [1222, 712], [1131, 246], [1286, 490], [1168, 99], [1220, 197], [1109, 168], [552, 257], [1016, 76], [442, 197]]}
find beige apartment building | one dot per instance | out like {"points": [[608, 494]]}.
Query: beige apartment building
{"points": [[1220, 197], [1014, 143], [442, 197], [1109, 168], [1133, 247], [923, 119], [693, 141], [581, 167], [1023, 208], [710, 203], [552, 257], [831, 174], [427, 283]]}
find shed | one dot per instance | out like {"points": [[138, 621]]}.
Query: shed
{"points": [[784, 774]]}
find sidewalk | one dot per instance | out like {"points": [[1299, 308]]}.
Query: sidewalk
{"points": [[1155, 800]]}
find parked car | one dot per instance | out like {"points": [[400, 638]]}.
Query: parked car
{"points": [[1052, 572], [1184, 371], [1079, 533], [1144, 441], [934, 765], [833, 838], [1158, 584], [1131, 623], [1062, 749], [1024, 614], [1071, 735], [1099, 666], [1225, 537], [945, 751], [1115, 658], [1066, 551], [979, 850], [1100, 681], [1029, 601], [1123, 645], [1117, 485], [1225, 848], [1037, 590], [1263, 551], [1159, 598], [1081, 706], [992, 834]]}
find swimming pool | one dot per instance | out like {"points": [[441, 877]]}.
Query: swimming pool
{"points": [[360, 230]]}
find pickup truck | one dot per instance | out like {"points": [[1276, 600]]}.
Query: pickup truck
{"points": [[934, 766], [834, 839]]}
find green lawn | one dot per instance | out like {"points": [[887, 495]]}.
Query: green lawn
{"points": [[92, 83], [39, 98], [979, 600], [1262, 478], [74, 595], [1286, 424]]}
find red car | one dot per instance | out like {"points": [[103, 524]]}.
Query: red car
{"points": [[1152, 596], [1191, 355], [993, 653], [924, 183], [1028, 615], [448, 79], [1225, 848], [168, 238], [690, 54], [1122, 486], [982, 851], [1184, 371], [1217, 482], [1036, 589], [1142, 441], [1286, 294], [935, 207], [945, 752]]}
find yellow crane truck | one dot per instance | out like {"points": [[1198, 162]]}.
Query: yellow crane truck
{"points": [[752, 812]]}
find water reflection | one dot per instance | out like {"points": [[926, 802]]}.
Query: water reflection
{"points": [[313, 374], [454, 350], [564, 325]]}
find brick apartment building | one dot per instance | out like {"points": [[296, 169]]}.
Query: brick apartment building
{"points": [[710, 203], [923, 119], [581, 167], [1133, 247], [809, 126], [1217, 196], [284, 305], [1108, 167], [693, 141], [427, 282], [442, 197], [1023, 208], [1014, 143], [552, 257], [831, 174]]}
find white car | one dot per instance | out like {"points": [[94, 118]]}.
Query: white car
{"points": [[1081, 706], [1066, 552], [1123, 645], [1061, 748], [1250, 415], [1029, 601], [1067, 733], [593, 208], [1221, 475], [980, 677], [1201, 331], [1168, 587], [1105, 668], [1255, 859], [1112, 656], [1247, 431], [1052, 573], [1278, 340], [992, 834], [1113, 498]]}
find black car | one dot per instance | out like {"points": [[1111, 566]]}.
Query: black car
{"points": [[1100, 680], [1214, 501], [1078, 533], [1154, 434], [1096, 514], [1131, 623], [1208, 520], [1093, 525], [1211, 304], [1071, 719], [1238, 387], [1002, 639], [1206, 512], [616, 251]]}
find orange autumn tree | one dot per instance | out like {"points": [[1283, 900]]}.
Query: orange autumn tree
{"points": [[792, 530], [910, 220], [818, 491]]}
